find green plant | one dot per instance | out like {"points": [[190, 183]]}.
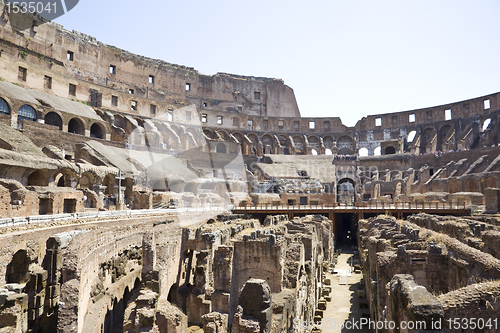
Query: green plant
{"points": [[23, 53], [15, 84], [41, 56]]}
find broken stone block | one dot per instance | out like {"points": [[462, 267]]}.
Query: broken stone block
{"points": [[255, 298]]}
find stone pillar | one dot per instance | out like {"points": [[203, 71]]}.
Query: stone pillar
{"points": [[148, 254], [492, 200], [222, 268]]}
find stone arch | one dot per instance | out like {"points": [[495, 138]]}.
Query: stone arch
{"points": [[160, 186], [119, 121], [314, 151], [254, 148], [428, 143], [454, 185], [109, 182], [328, 141], [97, 131], [18, 269], [390, 150], [443, 132], [54, 119], [363, 151], [268, 144], [377, 151], [328, 151], [221, 148], [87, 180], [192, 187], [4, 107], [314, 142], [238, 136], [26, 112], [471, 185], [489, 181], [345, 145], [76, 126], [208, 133], [223, 135], [39, 178], [346, 190], [299, 144]]}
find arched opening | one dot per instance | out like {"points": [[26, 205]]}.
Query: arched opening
{"points": [[61, 182], [390, 150], [411, 136], [328, 141], [298, 141], [38, 178], [119, 122], [377, 151], [4, 107], [87, 180], [96, 131], [208, 133], [26, 112], [314, 142], [160, 186], [345, 191], [75, 126], [363, 151], [314, 152], [222, 135], [52, 118], [18, 268], [328, 151], [345, 145], [221, 148], [267, 144], [486, 123], [109, 182]]}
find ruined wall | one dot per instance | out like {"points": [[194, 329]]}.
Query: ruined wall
{"points": [[389, 247]]}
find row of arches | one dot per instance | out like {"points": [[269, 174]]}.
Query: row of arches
{"points": [[75, 124], [267, 143]]}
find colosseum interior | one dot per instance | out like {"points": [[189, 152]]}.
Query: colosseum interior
{"points": [[138, 195]]}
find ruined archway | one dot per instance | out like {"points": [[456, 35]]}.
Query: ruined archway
{"points": [[76, 126], [39, 178], [96, 131], [18, 269], [54, 119]]}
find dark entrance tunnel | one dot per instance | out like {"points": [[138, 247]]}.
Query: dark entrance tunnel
{"points": [[346, 229]]}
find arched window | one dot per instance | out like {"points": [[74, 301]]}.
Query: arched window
{"points": [[363, 151], [75, 126], [4, 107], [54, 119], [96, 131], [26, 112]]}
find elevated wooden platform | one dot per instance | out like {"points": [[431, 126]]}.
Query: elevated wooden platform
{"points": [[362, 209]]}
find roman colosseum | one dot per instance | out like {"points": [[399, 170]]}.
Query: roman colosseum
{"points": [[138, 195]]}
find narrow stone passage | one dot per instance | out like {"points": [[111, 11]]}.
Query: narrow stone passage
{"points": [[347, 304]]}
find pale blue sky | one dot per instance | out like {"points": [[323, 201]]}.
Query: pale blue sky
{"points": [[347, 58]]}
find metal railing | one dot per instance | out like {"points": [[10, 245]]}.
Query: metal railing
{"points": [[360, 206]]}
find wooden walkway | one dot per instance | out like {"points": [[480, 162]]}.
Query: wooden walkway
{"points": [[399, 210]]}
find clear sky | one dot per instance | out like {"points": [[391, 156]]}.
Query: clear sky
{"points": [[344, 59]]}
